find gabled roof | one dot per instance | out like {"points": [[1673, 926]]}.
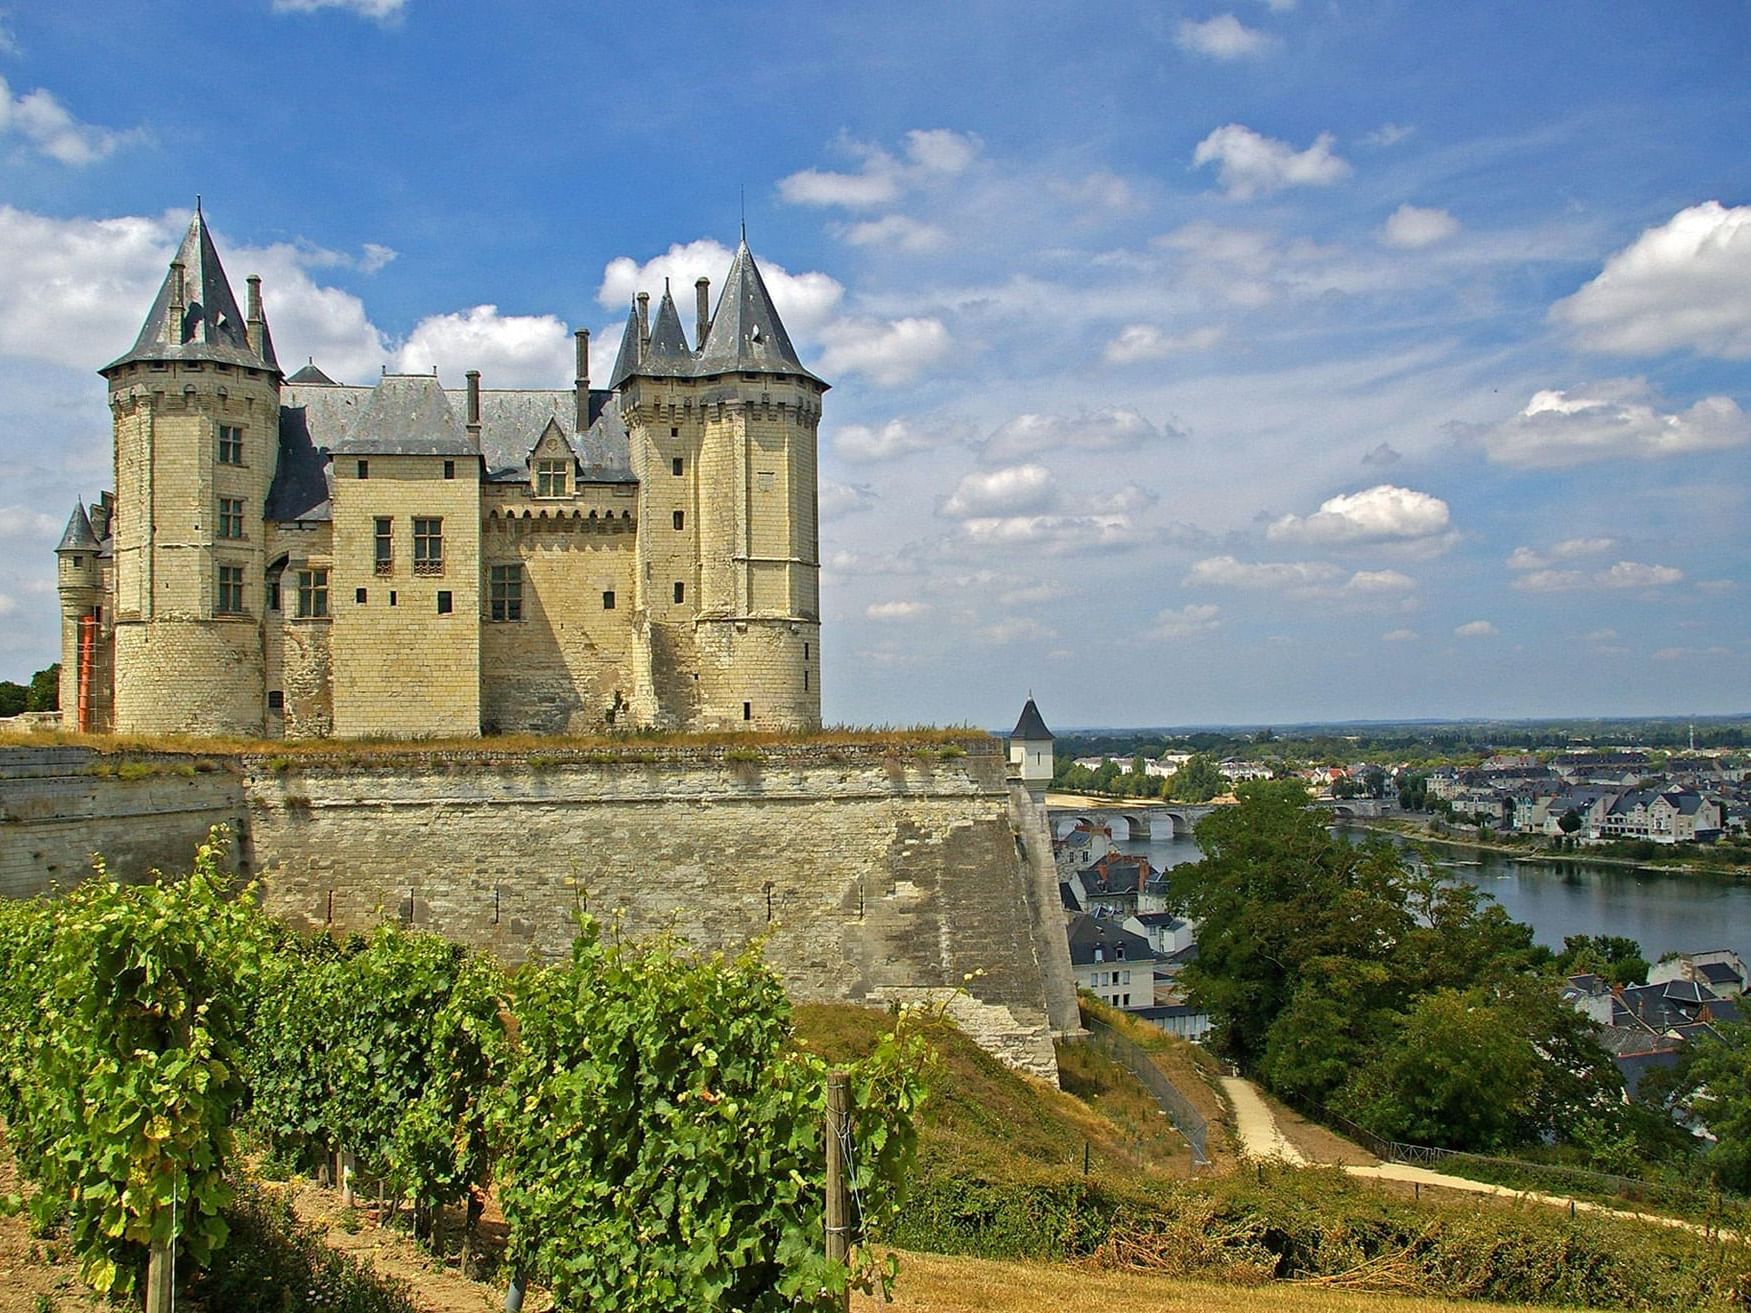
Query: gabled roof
{"points": [[1114, 943], [407, 415], [1031, 728], [746, 334], [210, 326], [78, 537]]}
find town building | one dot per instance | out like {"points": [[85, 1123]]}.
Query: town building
{"points": [[292, 556]]}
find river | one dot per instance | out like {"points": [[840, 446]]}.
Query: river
{"points": [[1663, 913]]}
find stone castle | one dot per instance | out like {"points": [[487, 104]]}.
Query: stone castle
{"points": [[286, 556]]}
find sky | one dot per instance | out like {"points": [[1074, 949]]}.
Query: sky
{"points": [[1240, 362]]}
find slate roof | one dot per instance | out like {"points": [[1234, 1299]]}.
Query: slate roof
{"points": [[668, 354], [78, 537], [1067, 896], [1716, 973], [211, 326], [407, 415], [1088, 934], [1031, 728], [312, 375]]}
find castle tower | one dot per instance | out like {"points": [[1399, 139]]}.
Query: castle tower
{"points": [[728, 573], [84, 657], [196, 415], [1030, 751]]}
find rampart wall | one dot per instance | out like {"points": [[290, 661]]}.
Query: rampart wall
{"points": [[872, 873]]}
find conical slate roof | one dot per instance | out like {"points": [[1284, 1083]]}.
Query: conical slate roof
{"points": [[311, 374], [210, 327], [668, 353], [79, 536], [1031, 728], [746, 334], [626, 363]]}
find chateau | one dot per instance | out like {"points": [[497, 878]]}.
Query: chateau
{"points": [[286, 556]]}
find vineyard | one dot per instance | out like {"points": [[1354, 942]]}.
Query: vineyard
{"points": [[637, 1110]]}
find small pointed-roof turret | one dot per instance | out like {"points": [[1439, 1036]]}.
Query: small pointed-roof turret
{"points": [[195, 315], [312, 375], [747, 336], [668, 353], [1031, 728], [79, 536], [627, 362]]}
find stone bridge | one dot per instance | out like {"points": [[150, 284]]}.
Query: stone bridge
{"points": [[1142, 821]]}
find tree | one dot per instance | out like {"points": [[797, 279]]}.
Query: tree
{"points": [[13, 697], [1713, 1081], [1570, 821], [1616, 958], [1198, 780], [45, 690]]}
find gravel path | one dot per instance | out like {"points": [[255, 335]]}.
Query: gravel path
{"points": [[1260, 1136]]}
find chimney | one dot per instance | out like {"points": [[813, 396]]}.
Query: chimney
{"points": [[256, 319], [581, 383], [177, 304], [644, 324], [702, 304], [473, 377]]}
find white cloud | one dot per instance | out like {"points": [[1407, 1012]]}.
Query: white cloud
{"points": [[1475, 629], [865, 445], [1023, 629], [1685, 285], [1227, 572], [1137, 342], [1527, 558], [1187, 621], [841, 499], [48, 127], [374, 256], [22, 522], [1222, 37], [932, 154], [805, 301], [1411, 227], [1002, 492], [1053, 535], [1379, 582], [896, 610], [1387, 134], [508, 350], [887, 352], [1383, 513], [898, 231], [1558, 429], [1102, 188], [382, 11], [7, 604], [1399, 636], [1633, 574], [1112, 428], [1250, 164], [1382, 454]]}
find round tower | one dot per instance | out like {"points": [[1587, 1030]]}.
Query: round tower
{"points": [[79, 581], [196, 420]]}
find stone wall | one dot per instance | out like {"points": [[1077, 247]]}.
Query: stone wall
{"points": [[58, 806], [873, 874]]}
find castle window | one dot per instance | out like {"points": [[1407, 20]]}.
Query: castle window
{"points": [[364, 469], [805, 679], [384, 540], [230, 589], [674, 433], [747, 711], [680, 591], [446, 603], [505, 595], [276, 699], [805, 651], [312, 594], [677, 466], [231, 517], [273, 590], [552, 479], [680, 519], [428, 546], [449, 469], [230, 445], [608, 600], [360, 595]]}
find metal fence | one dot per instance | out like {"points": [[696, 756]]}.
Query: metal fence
{"points": [[1185, 1118]]}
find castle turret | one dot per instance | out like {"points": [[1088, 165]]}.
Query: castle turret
{"points": [[1030, 750], [79, 581], [196, 412], [724, 446]]}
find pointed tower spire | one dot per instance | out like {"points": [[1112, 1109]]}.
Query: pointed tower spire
{"points": [[747, 336], [668, 353], [626, 363], [195, 315], [79, 536]]}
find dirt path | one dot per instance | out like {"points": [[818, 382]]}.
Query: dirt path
{"points": [[1256, 1126], [1262, 1137]]}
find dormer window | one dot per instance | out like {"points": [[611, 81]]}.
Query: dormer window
{"points": [[552, 478]]}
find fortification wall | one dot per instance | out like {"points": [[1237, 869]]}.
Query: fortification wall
{"points": [[58, 806], [872, 873]]}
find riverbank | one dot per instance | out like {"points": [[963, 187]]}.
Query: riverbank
{"points": [[1416, 830]]}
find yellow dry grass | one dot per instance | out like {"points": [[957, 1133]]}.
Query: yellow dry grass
{"points": [[933, 1283]]}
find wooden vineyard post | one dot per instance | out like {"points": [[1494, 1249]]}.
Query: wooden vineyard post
{"points": [[838, 1203], [160, 1270]]}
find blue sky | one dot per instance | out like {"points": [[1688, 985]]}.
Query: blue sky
{"points": [[1250, 361]]}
